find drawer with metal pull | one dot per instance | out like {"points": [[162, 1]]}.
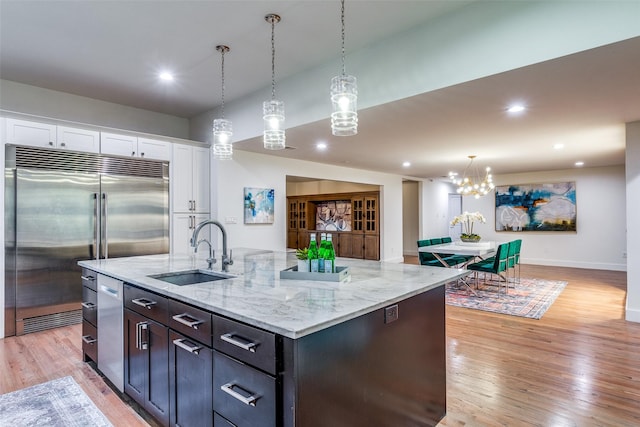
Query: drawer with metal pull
{"points": [[90, 305], [246, 343], [90, 341], [190, 321], [243, 395], [147, 303], [89, 279]]}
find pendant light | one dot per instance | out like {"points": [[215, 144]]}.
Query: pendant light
{"points": [[222, 129], [344, 98], [472, 182], [273, 110]]}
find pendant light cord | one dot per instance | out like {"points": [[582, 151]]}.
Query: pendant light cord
{"points": [[273, 60], [223, 51], [344, 73]]}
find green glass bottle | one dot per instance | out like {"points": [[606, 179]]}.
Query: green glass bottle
{"points": [[313, 253], [322, 249], [329, 256]]}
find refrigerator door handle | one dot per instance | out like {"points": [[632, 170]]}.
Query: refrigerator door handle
{"points": [[94, 247], [105, 234]]}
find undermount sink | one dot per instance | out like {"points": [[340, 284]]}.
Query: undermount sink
{"points": [[190, 277]]}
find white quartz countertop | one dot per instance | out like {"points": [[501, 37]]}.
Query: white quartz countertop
{"points": [[292, 308]]}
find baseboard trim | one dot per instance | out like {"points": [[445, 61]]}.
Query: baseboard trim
{"points": [[575, 264], [632, 314]]}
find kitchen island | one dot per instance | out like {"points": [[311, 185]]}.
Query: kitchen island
{"points": [[366, 351]]}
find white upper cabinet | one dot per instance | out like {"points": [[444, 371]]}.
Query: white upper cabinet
{"points": [[23, 132], [132, 146], [78, 139], [190, 178]]}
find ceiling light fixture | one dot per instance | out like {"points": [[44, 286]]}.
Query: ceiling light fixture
{"points": [[473, 185], [321, 146], [222, 129], [344, 99], [515, 109], [558, 146], [166, 76], [273, 110], [406, 164], [579, 164]]}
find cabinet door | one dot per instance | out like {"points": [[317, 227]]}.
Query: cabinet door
{"points": [[182, 228], [191, 382], [135, 357], [371, 215], [357, 246], [78, 139], [292, 239], [201, 179], [181, 178], [154, 149], [22, 132], [371, 247], [118, 145], [344, 247]]}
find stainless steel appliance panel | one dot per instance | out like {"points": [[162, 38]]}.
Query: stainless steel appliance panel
{"points": [[110, 332], [135, 216], [55, 228]]}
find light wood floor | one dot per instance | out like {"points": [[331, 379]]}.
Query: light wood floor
{"points": [[577, 366]]}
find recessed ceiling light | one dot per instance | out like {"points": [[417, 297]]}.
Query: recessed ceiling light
{"points": [[558, 146], [578, 164], [166, 76], [515, 108], [321, 146], [406, 164]]}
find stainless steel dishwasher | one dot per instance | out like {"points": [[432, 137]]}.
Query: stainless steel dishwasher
{"points": [[110, 330]]}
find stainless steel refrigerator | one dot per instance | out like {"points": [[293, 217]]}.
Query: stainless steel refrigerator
{"points": [[62, 207]]}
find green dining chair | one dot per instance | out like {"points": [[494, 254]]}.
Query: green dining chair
{"points": [[495, 266], [427, 258]]}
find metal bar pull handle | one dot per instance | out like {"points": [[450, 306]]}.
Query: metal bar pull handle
{"points": [[180, 342], [141, 343], [105, 220], [143, 302], [96, 240], [88, 339], [88, 278], [247, 400], [88, 305], [248, 345], [188, 320]]}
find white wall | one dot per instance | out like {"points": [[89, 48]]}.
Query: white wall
{"points": [[600, 240], [434, 208], [324, 186], [633, 227], [263, 171], [36, 101], [410, 217]]}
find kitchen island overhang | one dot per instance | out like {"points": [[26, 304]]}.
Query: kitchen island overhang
{"points": [[370, 351], [292, 308]]}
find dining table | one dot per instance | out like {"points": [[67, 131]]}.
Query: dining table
{"points": [[475, 250]]}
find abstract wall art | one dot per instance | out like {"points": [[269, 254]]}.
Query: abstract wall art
{"points": [[258, 205], [333, 215], [536, 207]]}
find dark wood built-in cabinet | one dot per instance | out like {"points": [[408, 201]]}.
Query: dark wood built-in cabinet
{"points": [[363, 241]]}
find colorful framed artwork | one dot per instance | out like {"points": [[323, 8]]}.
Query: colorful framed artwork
{"points": [[258, 205], [536, 207], [333, 215]]}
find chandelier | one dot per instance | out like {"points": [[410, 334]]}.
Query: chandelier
{"points": [[344, 99], [222, 129], [472, 183], [273, 110]]}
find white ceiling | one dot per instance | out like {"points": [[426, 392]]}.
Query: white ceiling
{"points": [[112, 50]]}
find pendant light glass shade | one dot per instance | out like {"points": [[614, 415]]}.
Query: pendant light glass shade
{"points": [[344, 98], [222, 128], [222, 132], [273, 114], [273, 110]]}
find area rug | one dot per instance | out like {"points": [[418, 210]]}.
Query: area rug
{"points": [[530, 298], [58, 402]]}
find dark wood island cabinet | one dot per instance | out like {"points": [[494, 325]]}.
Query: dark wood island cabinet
{"points": [[195, 357]]}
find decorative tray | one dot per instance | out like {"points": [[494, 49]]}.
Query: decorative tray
{"points": [[292, 273]]}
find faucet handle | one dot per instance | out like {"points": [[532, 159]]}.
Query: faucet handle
{"points": [[230, 260]]}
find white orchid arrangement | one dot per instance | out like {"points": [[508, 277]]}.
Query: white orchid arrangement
{"points": [[467, 219]]}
